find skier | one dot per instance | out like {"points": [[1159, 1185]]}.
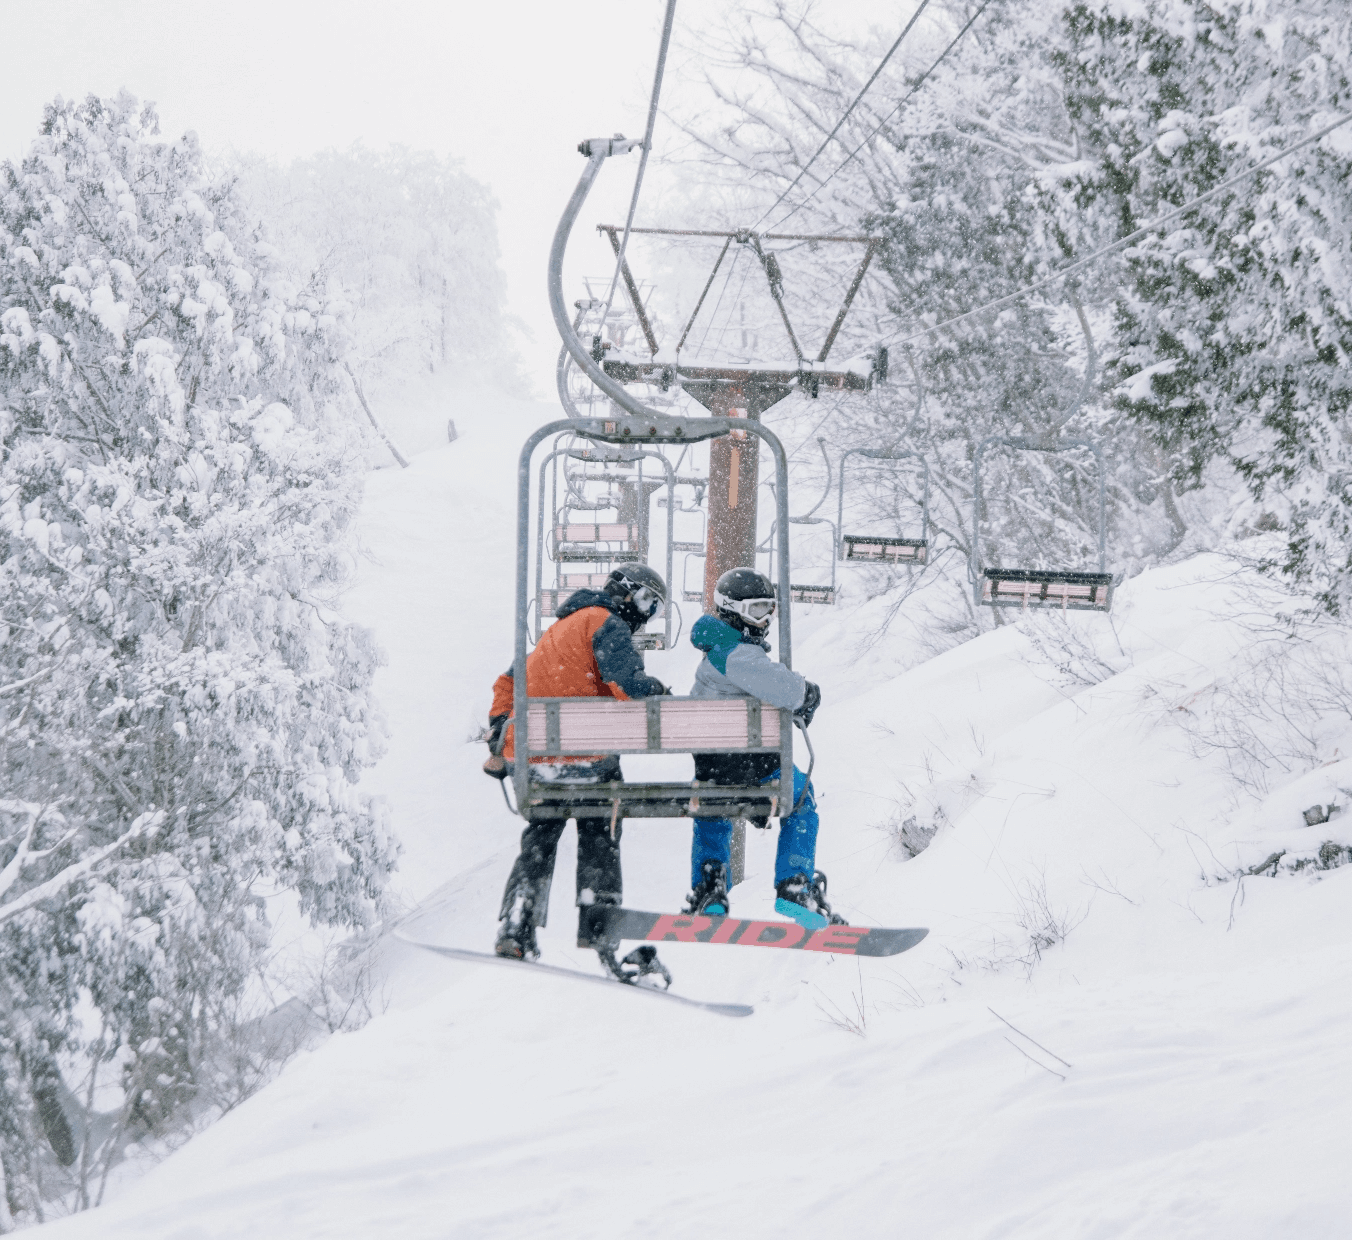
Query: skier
{"points": [[588, 652], [737, 664]]}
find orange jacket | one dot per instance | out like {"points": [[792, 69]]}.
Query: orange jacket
{"points": [[587, 652]]}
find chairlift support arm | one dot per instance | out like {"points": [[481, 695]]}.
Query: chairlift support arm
{"points": [[849, 300], [635, 299]]}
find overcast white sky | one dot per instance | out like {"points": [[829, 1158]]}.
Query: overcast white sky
{"points": [[509, 88]]}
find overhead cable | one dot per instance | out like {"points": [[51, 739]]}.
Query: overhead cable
{"points": [[643, 156], [1154, 225], [915, 17], [920, 81]]}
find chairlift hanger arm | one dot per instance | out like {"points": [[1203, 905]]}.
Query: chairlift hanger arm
{"points": [[886, 454], [1036, 445]]}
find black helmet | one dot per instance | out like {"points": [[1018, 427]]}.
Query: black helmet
{"points": [[639, 592], [745, 599]]}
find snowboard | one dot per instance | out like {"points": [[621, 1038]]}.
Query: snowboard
{"points": [[615, 924], [462, 953]]}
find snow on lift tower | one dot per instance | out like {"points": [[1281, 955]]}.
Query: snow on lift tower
{"points": [[878, 546], [742, 391], [1031, 587], [565, 726]]}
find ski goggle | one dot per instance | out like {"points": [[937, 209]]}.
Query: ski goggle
{"points": [[648, 602], [757, 610]]}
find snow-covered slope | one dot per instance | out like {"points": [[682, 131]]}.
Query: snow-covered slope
{"points": [[1178, 1066]]}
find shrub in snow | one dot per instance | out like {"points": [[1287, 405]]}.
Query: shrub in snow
{"points": [[183, 716]]}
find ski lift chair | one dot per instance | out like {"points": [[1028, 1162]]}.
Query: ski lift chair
{"points": [[580, 727], [597, 550], [678, 545], [878, 547], [817, 594], [687, 594], [1031, 587]]}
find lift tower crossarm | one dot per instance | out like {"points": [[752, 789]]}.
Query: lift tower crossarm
{"points": [[629, 284]]}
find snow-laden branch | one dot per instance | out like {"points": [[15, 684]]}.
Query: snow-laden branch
{"points": [[146, 824]]}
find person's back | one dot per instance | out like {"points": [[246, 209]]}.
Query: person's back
{"points": [[737, 663], [587, 652]]}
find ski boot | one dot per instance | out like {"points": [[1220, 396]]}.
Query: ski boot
{"points": [[711, 893], [805, 901], [516, 931], [639, 963]]}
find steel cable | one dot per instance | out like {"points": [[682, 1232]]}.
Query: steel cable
{"points": [[915, 17], [643, 157], [971, 21]]}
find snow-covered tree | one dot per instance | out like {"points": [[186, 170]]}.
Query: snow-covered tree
{"points": [[183, 715], [411, 240], [964, 179], [1233, 329]]}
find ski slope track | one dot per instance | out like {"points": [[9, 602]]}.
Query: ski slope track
{"points": [[1171, 1062]]}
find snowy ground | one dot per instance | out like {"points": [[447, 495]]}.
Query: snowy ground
{"points": [[1191, 1078]]}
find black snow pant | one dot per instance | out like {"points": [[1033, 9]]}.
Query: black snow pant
{"points": [[599, 880]]}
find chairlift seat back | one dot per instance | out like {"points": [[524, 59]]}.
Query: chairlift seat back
{"points": [[812, 594], [1031, 587], [594, 542], [584, 727], [888, 550], [553, 598]]}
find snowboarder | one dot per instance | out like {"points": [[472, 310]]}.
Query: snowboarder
{"points": [[588, 652], [737, 664]]}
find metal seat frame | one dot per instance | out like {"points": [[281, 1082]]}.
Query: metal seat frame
{"points": [[548, 599], [555, 798], [1032, 587], [891, 550]]}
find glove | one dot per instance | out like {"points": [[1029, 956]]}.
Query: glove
{"points": [[496, 767], [496, 723], [812, 698]]}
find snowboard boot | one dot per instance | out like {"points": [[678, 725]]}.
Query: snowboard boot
{"points": [[805, 901], [711, 893], [639, 963], [516, 930]]}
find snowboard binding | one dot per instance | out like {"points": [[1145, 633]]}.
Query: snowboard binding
{"points": [[640, 962]]}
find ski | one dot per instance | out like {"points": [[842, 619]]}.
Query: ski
{"points": [[461, 953], [615, 924]]}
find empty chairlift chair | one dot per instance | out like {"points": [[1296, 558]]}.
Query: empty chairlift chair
{"points": [[599, 544], [1032, 587], [812, 593], [884, 548]]}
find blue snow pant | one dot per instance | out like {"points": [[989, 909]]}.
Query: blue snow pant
{"points": [[797, 852]]}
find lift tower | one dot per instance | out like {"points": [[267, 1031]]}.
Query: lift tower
{"points": [[731, 391]]}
